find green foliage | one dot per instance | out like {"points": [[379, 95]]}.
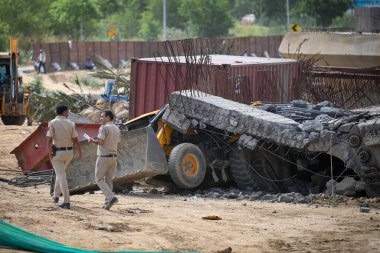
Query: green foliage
{"points": [[36, 85], [242, 8], [325, 11], [208, 18], [90, 81], [42, 108], [52, 20], [69, 15], [345, 21], [120, 76], [240, 30], [273, 11], [26, 20], [149, 28]]}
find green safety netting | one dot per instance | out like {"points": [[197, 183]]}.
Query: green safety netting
{"points": [[15, 238]]}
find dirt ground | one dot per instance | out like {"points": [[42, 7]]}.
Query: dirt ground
{"points": [[53, 81], [155, 222]]}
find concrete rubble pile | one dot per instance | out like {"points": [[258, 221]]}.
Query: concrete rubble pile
{"points": [[352, 137], [119, 108]]}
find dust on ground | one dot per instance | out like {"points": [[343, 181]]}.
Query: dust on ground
{"points": [[156, 222], [53, 81]]}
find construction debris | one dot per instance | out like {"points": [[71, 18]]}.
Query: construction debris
{"points": [[303, 129]]}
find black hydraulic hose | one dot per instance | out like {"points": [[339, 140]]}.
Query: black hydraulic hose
{"points": [[158, 116]]}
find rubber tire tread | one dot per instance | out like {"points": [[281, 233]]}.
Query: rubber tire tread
{"points": [[13, 120], [175, 162], [240, 170]]}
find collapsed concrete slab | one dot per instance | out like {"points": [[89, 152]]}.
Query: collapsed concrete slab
{"points": [[231, 116], [352, 137]]}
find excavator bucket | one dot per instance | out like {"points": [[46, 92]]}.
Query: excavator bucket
{"points": [[140, 156]]}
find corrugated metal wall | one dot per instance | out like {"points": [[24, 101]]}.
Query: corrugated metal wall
{"points": [[153, 82], [115, 51]]}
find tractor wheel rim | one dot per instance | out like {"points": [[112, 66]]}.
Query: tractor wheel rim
{"points": [[190, 165]]}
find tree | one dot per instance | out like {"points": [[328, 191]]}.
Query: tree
{"points": [[149, 28], [242, 8], [325, 11], [208, 18], [26, 20], [173, 18], [71, 17]]}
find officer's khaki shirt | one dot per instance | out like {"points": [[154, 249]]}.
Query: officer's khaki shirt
{"points": [[110, 133], [62, 131]]}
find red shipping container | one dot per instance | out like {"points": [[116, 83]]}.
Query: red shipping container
{"points": [[239, 78]]}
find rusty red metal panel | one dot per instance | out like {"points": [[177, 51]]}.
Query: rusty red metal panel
{"points": [[32, 153], [98, 48], [90, 51], [259, 47], [36, 51], [114, 53], [55, 52], [106, 50], [154, 48], [144, 47], [82, 54], [122, 50], [64, 52], [138, 49], [252, 46], [74, 52], [269, 80], [130, 50]]}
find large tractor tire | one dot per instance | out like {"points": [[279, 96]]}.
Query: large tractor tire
{"points": [[187, 166], [13, 120], [257, 170], [241, 171]]}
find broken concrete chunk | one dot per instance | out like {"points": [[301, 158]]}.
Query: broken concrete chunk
{"points": [[331, 186], [299, 103], [346, 187], [247, 141], [176, 120]]}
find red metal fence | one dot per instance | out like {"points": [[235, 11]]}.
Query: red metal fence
{"points": [[116, 51]]}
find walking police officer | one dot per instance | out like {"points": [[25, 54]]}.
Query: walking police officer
{"points": [[108, 140], [61, 136]]}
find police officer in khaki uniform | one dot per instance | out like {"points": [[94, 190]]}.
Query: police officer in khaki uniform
{"points": [[61, 136], [108, 140]]}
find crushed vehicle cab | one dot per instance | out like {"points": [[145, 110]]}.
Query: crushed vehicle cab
{"points": [[203, 139], [14, 101]]}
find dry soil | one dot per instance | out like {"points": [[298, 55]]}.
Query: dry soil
{"points": [[156, 222]]}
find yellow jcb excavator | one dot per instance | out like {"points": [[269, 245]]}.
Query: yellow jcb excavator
{"points": [[14, 101]]}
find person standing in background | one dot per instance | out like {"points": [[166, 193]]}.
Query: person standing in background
{"points": [[41, 61]]}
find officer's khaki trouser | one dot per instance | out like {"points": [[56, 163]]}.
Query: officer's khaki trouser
{"points": [[105, 169], [60, 162]]}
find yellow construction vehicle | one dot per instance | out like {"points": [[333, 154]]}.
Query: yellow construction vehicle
{"points": [[14, 101]]}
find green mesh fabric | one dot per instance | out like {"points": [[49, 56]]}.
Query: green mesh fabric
{"points": [[15, 238]]}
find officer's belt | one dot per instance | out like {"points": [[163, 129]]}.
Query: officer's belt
{"points": [[108, 155], [64, 148]]}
